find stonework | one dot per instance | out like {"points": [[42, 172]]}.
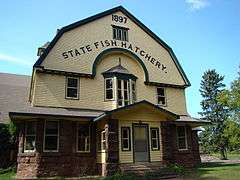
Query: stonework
{"points": [[66, 162], [188, 158]]}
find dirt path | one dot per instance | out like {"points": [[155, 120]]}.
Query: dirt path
{"points": [[206, 158]]}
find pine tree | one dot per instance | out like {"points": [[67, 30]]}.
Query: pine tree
{"points": [[213, 111]]}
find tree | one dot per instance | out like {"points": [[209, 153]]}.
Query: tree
{"points": [[213, 111], [231, 99]]}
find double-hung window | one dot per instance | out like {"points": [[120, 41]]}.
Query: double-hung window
{"points": [[125, 136], [161, 96], [109, 89], [133, 90], [120, 33], [72, 88], [155, 138], [123, 92], [181, 137], [30, 136], [83, 138], [51, 136]]}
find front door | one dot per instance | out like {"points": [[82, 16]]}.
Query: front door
{"points": [[140, 142]]}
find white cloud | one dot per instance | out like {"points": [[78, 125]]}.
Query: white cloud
{"points": [[197, 4], [15, 60]]}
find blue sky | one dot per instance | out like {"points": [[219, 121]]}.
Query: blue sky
{"points": [[204, 34]]}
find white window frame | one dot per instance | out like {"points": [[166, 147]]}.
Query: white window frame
{"points": [[89, 139], [122, 92], [185, 134], [164, 96], [33, 135], [66, 89], [128, 138], [44, 150], [105, 89], [157, 138]]}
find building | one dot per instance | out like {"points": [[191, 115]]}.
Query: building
{"points": [[105, 93]]}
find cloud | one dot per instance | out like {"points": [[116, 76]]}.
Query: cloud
{"points": [[15, 60], [197, 4]]}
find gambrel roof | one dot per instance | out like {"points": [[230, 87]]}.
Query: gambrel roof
{"points": [[103, 14]]}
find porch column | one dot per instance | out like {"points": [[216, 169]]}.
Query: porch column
{"points": [[166, 137], [112, 147]]}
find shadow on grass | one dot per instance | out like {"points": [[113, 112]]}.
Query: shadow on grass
{"points": [[211, 170]]}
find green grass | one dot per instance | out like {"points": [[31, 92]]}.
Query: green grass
{"points": [[213, 171], [7, 175]]}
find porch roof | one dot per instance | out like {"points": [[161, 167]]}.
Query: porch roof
{"points": [[194, 122], [132, 106]]}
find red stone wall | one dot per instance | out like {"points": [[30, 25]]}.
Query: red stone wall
{"points": [[66, 162], [188, 158]]}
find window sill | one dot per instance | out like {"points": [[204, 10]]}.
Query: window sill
{"points": [[70, 98], [29, 154]]}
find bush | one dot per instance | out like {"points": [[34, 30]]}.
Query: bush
{"points": [[177, 168]]}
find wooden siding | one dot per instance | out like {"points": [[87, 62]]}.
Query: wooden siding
{"points": [[100, 30], [50, 89], [127, 156]]}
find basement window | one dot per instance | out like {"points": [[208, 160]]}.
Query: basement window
{"points": [[30, 136]]}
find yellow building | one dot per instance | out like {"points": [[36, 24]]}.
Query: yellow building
{"points": [[106, 94]]}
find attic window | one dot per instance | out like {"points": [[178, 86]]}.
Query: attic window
{"points": [[120, 33]]}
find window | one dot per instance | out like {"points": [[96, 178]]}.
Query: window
{"points": [[51, 136], [103, 140], [133, 90], [83, 138], [72, 87], [120, 33], [161, 99], [181, 137], [155, 138], [123, 92], [125, 136], [30, 136], [109, 89]]}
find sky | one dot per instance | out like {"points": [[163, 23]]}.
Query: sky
{"points": [[204, 34]]}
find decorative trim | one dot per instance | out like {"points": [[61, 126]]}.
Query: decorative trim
{"points": [[121, 50], [103, 14]]}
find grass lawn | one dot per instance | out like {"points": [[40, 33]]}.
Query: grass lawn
{"points": [[7, 175], [206, 171], [218, 171]]}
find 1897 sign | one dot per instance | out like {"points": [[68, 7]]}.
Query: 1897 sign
{"points": [[119, 19]]}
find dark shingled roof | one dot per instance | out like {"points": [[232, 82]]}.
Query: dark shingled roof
{"points": [[118, 69], [14, 91]]}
